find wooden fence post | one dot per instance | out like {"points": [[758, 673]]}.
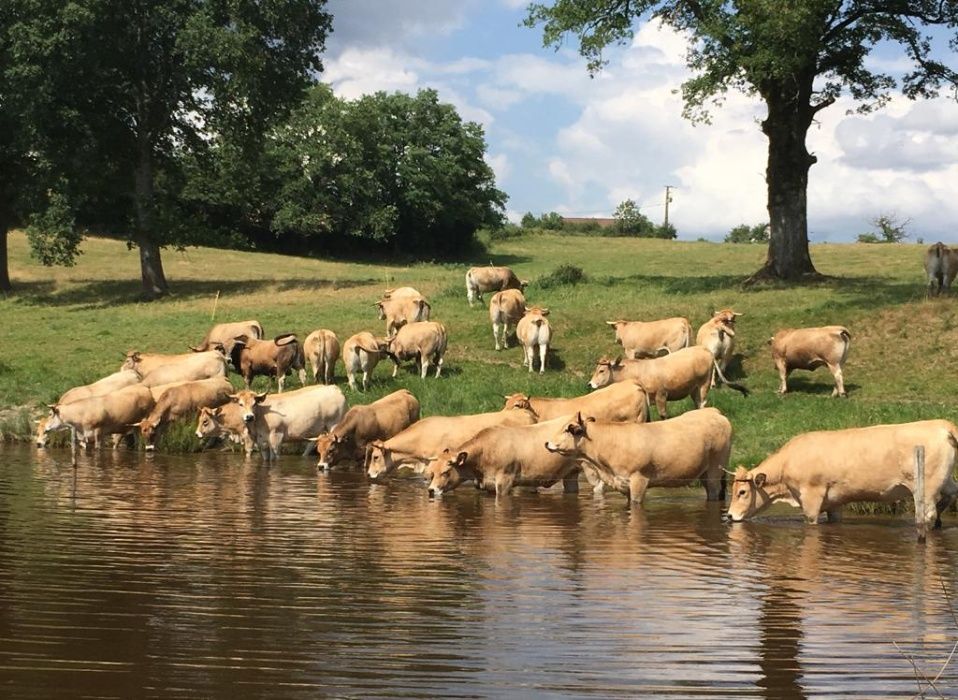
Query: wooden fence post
{"points": [[919, 492]]}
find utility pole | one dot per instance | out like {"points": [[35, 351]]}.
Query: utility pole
{"points": [[668, 199]]}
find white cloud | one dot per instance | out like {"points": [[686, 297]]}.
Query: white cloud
{"points": [[500, 165], [357, 72], [377, 23]]}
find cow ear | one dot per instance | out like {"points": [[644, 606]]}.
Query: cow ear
{"points": [[759, 480], [194, 348], [259, 398], [544, 312], [461, 458], [616, 363], [590, 419], [54, 409], [235, 397], [216, 412], [736, 314], [612, 323]]}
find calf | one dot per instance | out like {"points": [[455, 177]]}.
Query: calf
{"points": [[421, 441], [223, 334], [822, 471], [182, 400], [98, 416], [687, 372], [631, 457], [361, 353], [401, 306], [504, 456], [321, 348], [534, 331], [809, 349], [506, 308], [619, 402], [718, 335], [490, 279], [193, 367], [941, 266], [423, 340], [271, 358], [361, 425], [652, 338], [298, 415], [225, 421]]}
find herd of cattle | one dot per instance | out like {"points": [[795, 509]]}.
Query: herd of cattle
{"points": [[607, 434]]}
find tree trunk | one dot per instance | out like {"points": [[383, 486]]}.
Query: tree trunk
{"points": [[5, 285], [789, 116], [151, 266]]}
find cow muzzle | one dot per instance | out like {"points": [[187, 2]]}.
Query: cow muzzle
{"points": [[324, 466], [434, 493], [248, 417], [149, 447]]}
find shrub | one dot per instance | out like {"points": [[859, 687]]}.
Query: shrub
{"points": [[562, 276], [743, 233]]}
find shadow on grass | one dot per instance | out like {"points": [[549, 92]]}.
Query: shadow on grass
{"points": [[817, 386], [99, 294]]}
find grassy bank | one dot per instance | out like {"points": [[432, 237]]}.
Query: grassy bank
{"points": [[69, 326]]}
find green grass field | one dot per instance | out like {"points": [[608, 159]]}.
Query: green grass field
{"points": [[70, 326]]}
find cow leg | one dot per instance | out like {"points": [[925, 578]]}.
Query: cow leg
{"points": [[570, 484], [714, 482], [395, 367], [638, 485], [662, 404], [438, 365], [328, 373], [365, 379], [543, 349], [280, 380], [839, 389], [275, 441], [117, 439], [834, 514], [782, 375], [495, 334], [812, 505], [302, 376], [73, 445], [504, 483], [592, 476], [423, 366], [700, 395], [530, 353], [351, 378]]}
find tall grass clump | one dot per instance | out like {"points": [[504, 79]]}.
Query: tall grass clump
{"points": [[562, 276]]}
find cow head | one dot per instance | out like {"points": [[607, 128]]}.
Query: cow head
{"points": [[131, 361], [247, 401], [379, 460], [616, 327], [381, 308], [604, 373], [748, 495], [444, 471], [41, 436], [209, 423], [567, 442], [331, 449], [423, 311], [518, 401], [54, 420], [523, 284], [148, 430]]}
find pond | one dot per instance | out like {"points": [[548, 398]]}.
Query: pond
{"points": [[209, 575]]}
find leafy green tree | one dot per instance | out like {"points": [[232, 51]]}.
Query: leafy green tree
{"points": [[798, 56], [551, 221], [397, 171], [529, 220], [743, 233], [629, 221]]}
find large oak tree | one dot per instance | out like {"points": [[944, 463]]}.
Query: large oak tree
{"points": [[798, 56]]}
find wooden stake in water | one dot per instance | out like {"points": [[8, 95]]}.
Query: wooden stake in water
{"points": [[215, 302], [919, 492]]}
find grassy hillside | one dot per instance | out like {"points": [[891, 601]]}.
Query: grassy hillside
{"points": [[70, 326]]}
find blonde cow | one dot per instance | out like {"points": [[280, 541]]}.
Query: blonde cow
{"points": [[506, 308], [321, 348], [809, 349], [718, 335], [632, 457], [423, 340], [822, 471], [109, 384], [534, 331], [361, 353], [652, 338], [490, 279], [401, 306], [190, 368], [224, 333], [181, 400], [226, 421], [620, 402], [941, 266]]}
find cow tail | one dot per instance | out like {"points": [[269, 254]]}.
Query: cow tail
{"points": [[300, 362], [846, 338], [734, 385]]}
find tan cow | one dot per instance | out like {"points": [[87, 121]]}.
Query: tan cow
{"points": [[182, 400], [146, 362], [490, 279], [504, 456], [534, 331], [506, 308], [225, 421], [361, 353], [110, 383], [321, 348], [687, 372], [631, 457], [652, 338], [193, 367], [297, 415], [380, 420], [423, 340], [941, 266], [98, 416], [718, 335], [271, 358], [225, 333], [822, 471], [622, 401], [809, 349], [401, 306], [425, 439]]}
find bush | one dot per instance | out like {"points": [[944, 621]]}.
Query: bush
{"points": [[506, 232], [743, 233], [629, 221], [562, 276], [869, 238]]}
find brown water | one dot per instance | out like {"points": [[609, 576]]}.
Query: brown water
{"points": [[205, 576]]}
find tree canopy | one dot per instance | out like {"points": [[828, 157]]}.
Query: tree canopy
{"points": [[798, 56]]}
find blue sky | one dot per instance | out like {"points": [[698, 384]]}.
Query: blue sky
{"points": [[559, 140]]}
